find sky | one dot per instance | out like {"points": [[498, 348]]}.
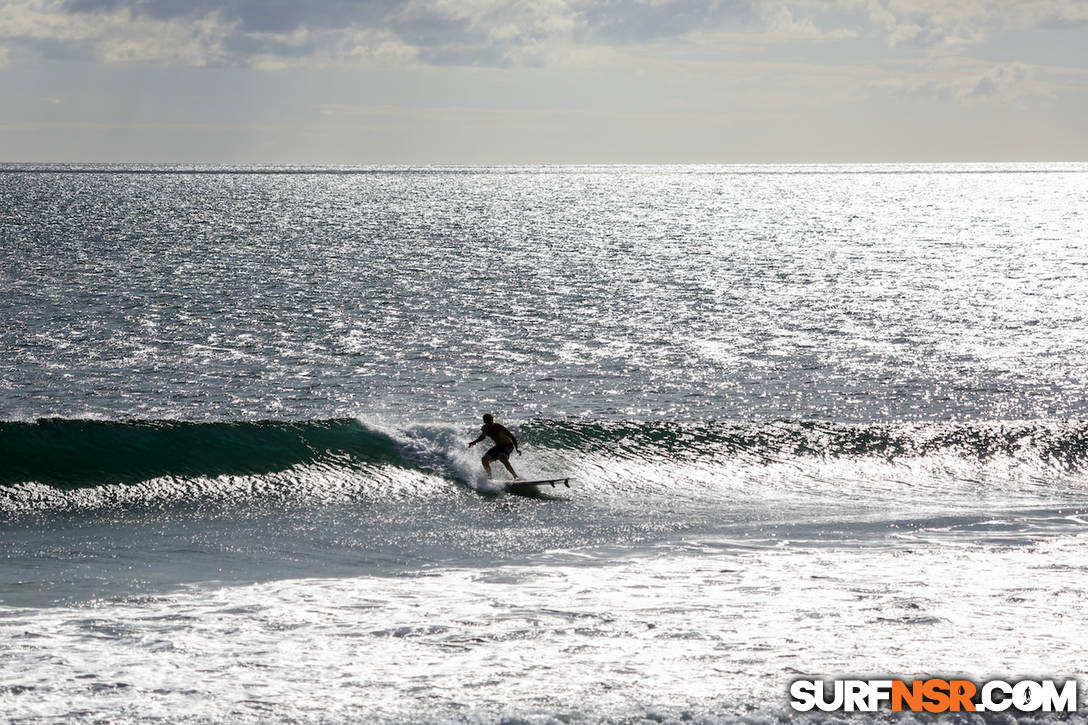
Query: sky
{"points": [[547, 81]]}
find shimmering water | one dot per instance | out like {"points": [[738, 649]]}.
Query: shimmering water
{"points": [[820, 421]]}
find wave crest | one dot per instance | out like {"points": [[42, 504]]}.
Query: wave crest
{"points": [[1056, 444]]}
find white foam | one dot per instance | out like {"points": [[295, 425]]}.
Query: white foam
{"points": [[714, 633]]}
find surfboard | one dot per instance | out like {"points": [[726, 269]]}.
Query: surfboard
{"points": [[522, 485]]}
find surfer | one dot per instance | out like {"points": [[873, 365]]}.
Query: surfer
{"points": [[505, 444]]}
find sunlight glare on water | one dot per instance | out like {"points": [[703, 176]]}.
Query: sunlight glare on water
{"points": [[818, 421], [638, 292]]}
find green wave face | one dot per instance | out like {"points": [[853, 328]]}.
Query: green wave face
{"points": [[77, 453]]}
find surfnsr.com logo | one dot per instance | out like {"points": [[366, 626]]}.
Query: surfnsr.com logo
{"points": [[934, 695]]}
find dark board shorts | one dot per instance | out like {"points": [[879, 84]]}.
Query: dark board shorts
{"points": [[499, 453]]}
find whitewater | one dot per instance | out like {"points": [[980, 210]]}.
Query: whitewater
{"points": [[820, 421]]}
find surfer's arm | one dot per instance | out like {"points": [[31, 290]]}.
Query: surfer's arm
{"points": [[482, 436]]}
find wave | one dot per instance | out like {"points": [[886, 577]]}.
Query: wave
{"points": [[1053, 444], [75, 453], [71, 454]]}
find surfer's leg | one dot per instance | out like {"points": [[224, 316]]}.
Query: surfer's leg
{"points": [[510, 468], [487, 465]]}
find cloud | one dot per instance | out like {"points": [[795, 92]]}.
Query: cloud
{"points": [[46, 29], [1004, 82], [433, 32], [936, 23], [440, 32], [639, 21], [782, 22], [493, 33]]}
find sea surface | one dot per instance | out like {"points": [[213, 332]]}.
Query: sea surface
{"points": [[819, 421]]}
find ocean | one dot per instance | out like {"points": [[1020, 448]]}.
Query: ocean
{"points": [[819, 421]]}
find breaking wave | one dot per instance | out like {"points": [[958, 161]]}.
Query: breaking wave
{"points": [[77, 453], [62, 463]]}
